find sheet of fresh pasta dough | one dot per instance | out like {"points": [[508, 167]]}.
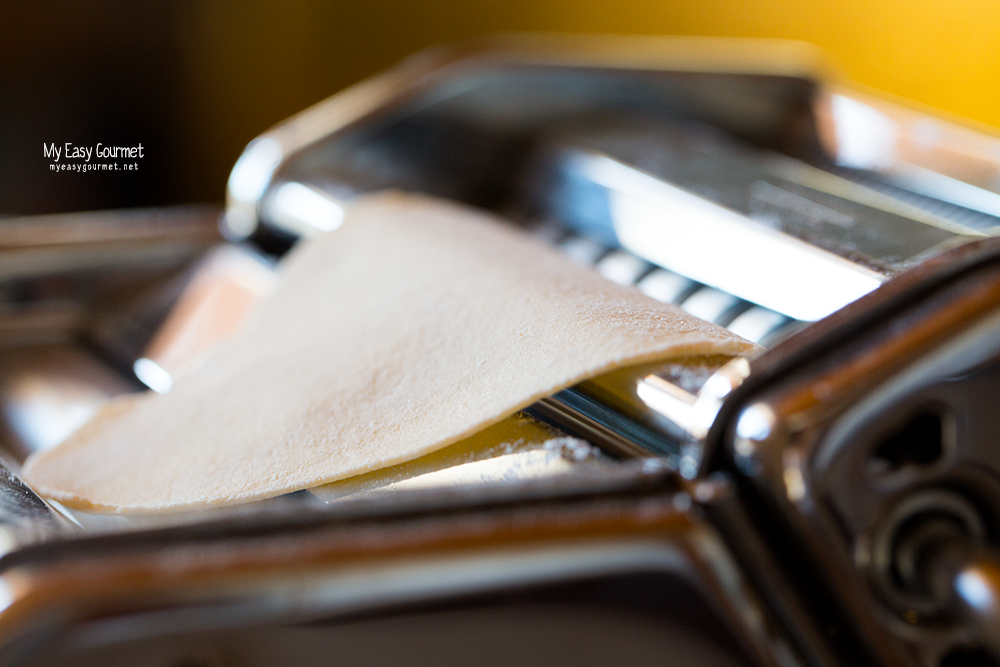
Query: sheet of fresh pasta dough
{"points": [[418, 322]]}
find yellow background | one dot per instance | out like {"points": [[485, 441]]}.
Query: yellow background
{"points": [[272, 59], [196, 80]]}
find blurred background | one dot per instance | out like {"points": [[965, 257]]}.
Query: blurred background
{"points": [[194, 80]]}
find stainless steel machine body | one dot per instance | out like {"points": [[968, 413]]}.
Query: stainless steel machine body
{"points": [[831, 502]]}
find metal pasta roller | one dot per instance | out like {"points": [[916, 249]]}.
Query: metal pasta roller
{"points": [[834, 501]]}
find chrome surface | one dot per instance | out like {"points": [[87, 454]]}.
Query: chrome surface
{"points": [[967, 576], [697, 238], [325, 570], [24, 517], [48, 391], [806, 559], [867, 454]]}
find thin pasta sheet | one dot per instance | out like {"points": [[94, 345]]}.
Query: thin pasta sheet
{"points": [[415, 324]]}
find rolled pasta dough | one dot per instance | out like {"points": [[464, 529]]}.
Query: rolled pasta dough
{"points": [[414, 325]]}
